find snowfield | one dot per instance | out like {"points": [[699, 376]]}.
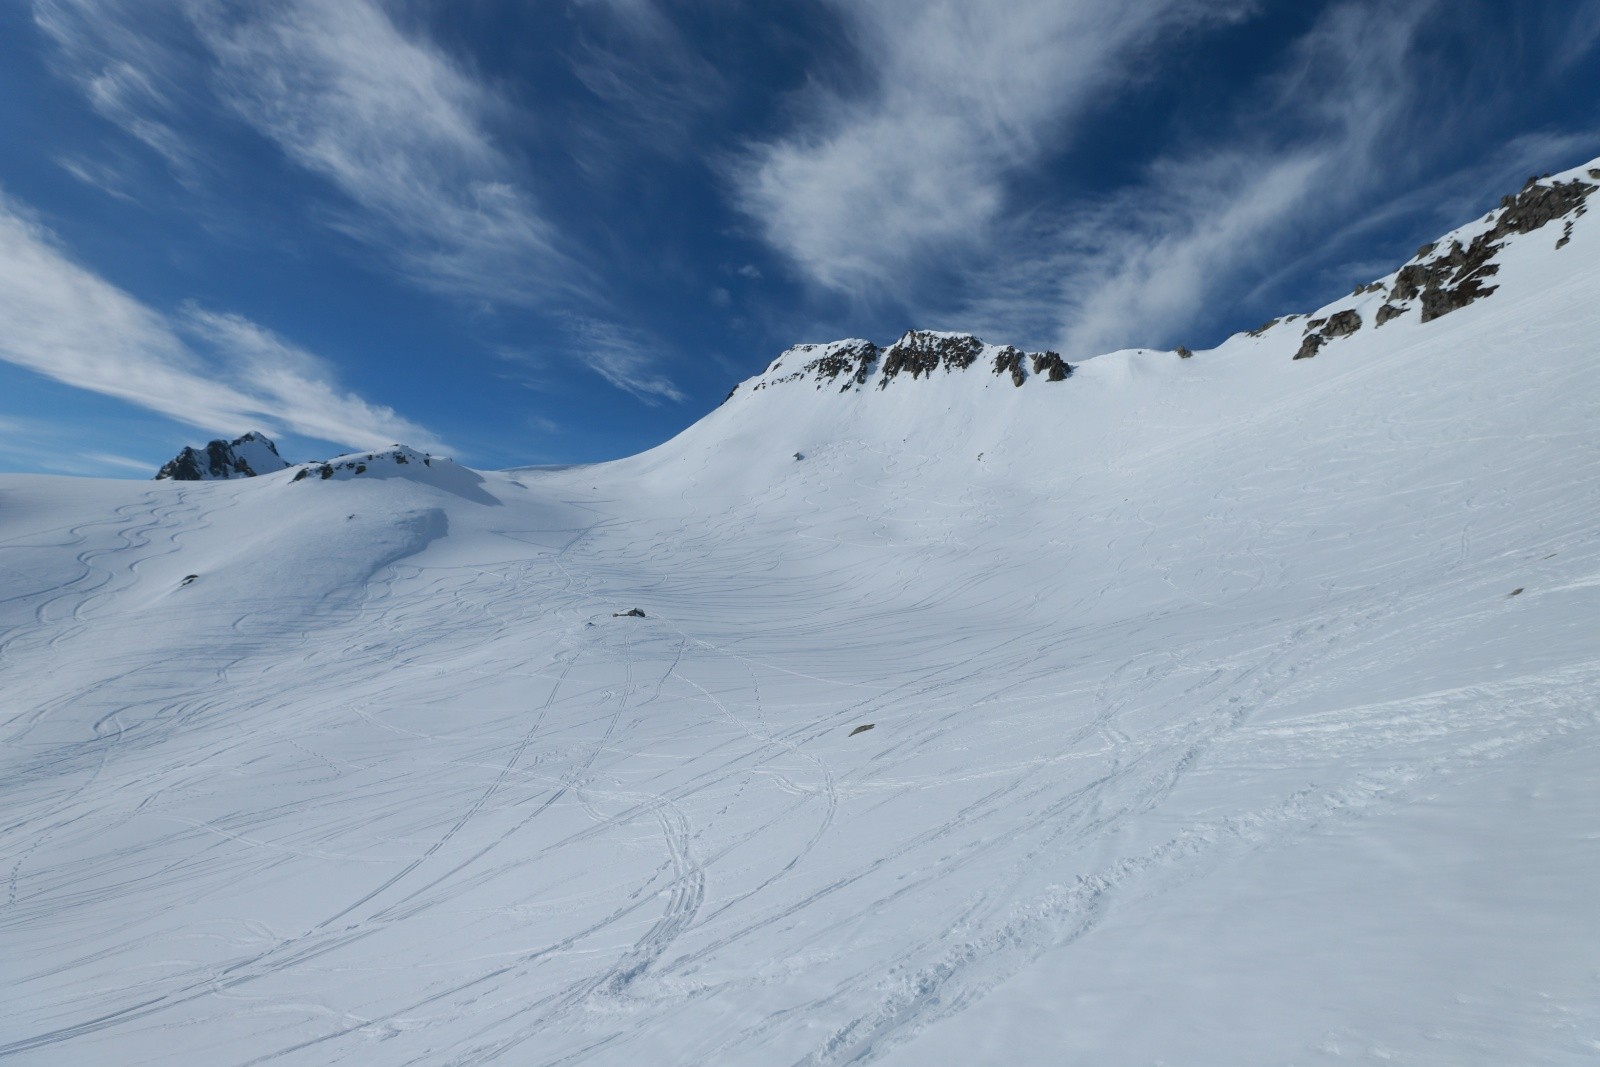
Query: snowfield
{"points": [[1227, 710]]}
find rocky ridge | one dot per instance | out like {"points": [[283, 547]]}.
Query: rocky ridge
{"points": [[1444, 276], [852, 363], [248, 456], [1448, 275], [360, 463]]}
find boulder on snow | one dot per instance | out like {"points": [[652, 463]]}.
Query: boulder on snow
{"points": [[631, 613], [863, 728]]}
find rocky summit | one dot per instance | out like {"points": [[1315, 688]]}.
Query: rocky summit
{"points": [[243, 457]]}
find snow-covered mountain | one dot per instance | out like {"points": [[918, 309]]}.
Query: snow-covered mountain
{"points": [[1226, 707], [244, 457]]}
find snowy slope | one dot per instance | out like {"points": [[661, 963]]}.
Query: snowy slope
{"points": [[1206, 725]]}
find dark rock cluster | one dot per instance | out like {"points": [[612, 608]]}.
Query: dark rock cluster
{"points": [[1440, 281], [1051, 365], [1450, 280], [1009, 361], [1310, 346], [357, 466], [852, 360], [920, 352]]}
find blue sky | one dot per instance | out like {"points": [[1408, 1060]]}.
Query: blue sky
{"points": [[532, 232]]}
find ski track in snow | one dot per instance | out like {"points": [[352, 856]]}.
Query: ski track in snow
{"points": [[442, 807]]}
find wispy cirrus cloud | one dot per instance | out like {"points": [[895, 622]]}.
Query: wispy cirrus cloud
{"points": [[1354, 112], [908, 174], [218, 372], [1329, 133], [400, 129], [624, 357], [875, 181]]}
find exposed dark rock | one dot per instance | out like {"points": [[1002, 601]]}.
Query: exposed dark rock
{"points": [[1264, 327], [631, 613], [1453, 279], [922, 352], [863, 728], [1594, 172], [1315, 324], [1515, 592], [852, 360], [221, 459], [1342, 324], [326, 471], [1371, 287], [1052, 366], [1389, 311], [1010, 359], [1310, 346], [187, 578], [1184, 353], [1566, 235], [1538, 204]]}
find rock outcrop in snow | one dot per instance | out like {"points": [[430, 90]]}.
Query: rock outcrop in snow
{"points": [[853, 363], [399, 461], [244, 457], [1449, 274]]}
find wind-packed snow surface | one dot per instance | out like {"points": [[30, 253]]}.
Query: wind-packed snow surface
{"points": [[1233, 709]]}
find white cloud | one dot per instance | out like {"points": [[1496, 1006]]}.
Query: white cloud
{"points": [[963, 95], [1304, 162], [218, 372], [401, 129], [622, 357], [1332, 131], [389, 120], [397, 127]]}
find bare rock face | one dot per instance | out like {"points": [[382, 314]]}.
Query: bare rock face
{"points": [[1320, 331], [918, 353], [1389, 311], [1450, 280], [1052, 366], [852, 360], [1310, 346], [1440, 279], [243, 457], [353, 465], [1010, 360], [1342, 324], [921, 352], [1184, 353]]}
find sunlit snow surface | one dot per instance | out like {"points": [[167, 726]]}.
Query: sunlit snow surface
{"points": [[1206, 728]]}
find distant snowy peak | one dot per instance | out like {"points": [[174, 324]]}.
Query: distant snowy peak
{"points": [[854, 363], [244, 457]]}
